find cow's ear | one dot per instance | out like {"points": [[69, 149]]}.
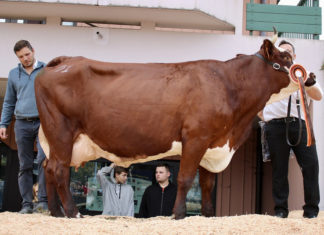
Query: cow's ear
{"points": [[268, 48]]}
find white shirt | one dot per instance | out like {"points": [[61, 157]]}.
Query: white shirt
{"points": [[35, 64], [279, 109]]}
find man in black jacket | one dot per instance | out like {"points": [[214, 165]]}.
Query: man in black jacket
{"points": [[159, 198]]}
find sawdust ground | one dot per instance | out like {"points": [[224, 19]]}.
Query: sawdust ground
{"points": [[15, 223]]}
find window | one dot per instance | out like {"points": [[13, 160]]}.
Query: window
{"points": [[99, 24], [22, 21], [87, 193]]}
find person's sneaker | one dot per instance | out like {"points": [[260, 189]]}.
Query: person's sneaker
{"points": [[41, 207], [26, 210], [309, 215], [281, 214]]}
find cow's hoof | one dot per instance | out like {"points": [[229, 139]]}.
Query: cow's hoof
{"points": [[57, 213], [79, 215], [209, 215], [75, 215], [180, 216], [208, 212], [179, 211]]}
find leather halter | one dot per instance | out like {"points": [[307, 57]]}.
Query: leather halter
{"points": [[275, 66]]}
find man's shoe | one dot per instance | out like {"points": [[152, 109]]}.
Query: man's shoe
{"points": [[41, 207], [26, 210], [309, 215], [281, 214]]}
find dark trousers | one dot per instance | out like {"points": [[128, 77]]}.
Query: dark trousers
{"points": [[26, 133], [306, 158]]}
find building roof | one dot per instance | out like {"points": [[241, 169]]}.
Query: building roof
{"points": [[185, 14]]}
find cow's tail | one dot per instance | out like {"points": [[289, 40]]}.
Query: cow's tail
{"points": [[58, 60]]}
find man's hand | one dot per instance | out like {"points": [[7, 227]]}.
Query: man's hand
{"points": [[311, 80], [3, 133], [112, 165]]}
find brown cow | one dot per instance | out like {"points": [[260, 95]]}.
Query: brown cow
{"points": [[128, 112]]}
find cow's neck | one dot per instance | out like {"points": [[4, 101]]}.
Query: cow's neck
{"points": [[256, 75], [256, 81]]}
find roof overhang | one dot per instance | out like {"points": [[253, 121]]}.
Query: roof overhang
{"points": [[166, 17]]}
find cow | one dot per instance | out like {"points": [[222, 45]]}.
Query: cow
{"points": [[130, 112]]}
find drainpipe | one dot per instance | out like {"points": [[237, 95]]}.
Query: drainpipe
{"points": [[259, 173], [263, 33]]}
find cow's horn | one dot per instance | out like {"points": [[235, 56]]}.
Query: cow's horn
{"points": [[275, 35]]}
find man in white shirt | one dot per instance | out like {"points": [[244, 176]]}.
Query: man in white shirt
{"points": [[275, 115]]}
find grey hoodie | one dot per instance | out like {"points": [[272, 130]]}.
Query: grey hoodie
{"points": [[20, 94], [118, 199]]}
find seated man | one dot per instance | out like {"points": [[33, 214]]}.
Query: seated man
{"points": [[118, 196], [159, 198]]}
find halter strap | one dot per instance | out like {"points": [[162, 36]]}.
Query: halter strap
{"points": [[275, 66]]}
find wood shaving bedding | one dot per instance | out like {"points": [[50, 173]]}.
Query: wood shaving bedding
{"points": [[15, 223]]}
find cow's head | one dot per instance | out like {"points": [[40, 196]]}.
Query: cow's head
{"points": [[277, 57], [278, 62]]}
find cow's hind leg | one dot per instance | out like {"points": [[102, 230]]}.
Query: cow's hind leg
{"points": [[63, 187], [61, 152], [207, 183], [192, 153], [60, 159], [52, 196], [59, 131], [60, 173]]}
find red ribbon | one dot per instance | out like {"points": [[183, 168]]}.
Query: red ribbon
{"points": [[298, 74]]}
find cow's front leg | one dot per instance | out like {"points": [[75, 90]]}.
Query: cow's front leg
{"points": [[52, 196], [192, 153], [62, 174], [207, 183]]}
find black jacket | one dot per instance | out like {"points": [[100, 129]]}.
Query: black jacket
{"points": [[158, 202]]}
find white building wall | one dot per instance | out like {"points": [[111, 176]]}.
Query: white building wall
{"points": [[118, 45]]}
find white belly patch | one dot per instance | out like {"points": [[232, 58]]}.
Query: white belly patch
{"points": [[84, 149]]}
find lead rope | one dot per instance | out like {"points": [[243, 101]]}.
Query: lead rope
{"points": [[300, 79], [309, 125], [288, 121]]}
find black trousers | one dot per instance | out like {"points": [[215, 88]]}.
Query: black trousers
{"points": [[306, 158]]}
